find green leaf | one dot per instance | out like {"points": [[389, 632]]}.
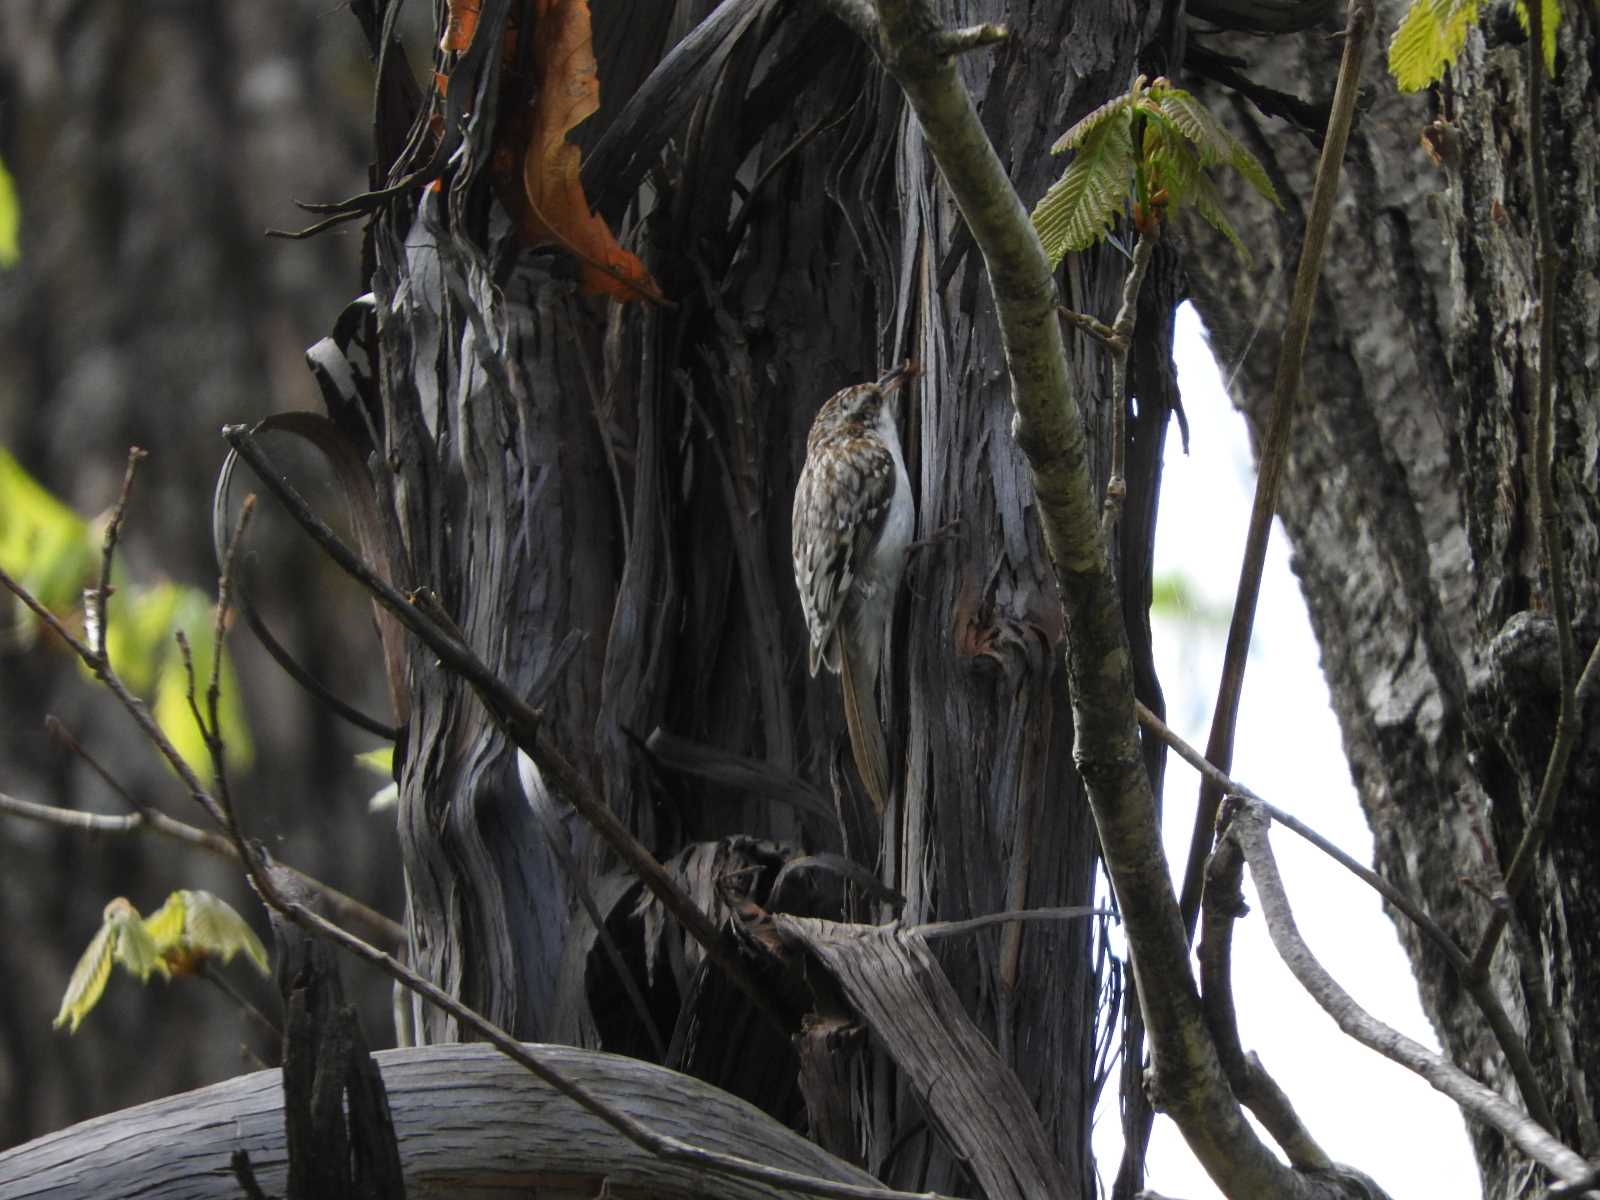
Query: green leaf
{"points": [[1428, 39], [1087, 124], [380, 760], [194, 925], [139, 633], [1177, 167], [10, 220], [122, 938], [1081, 205], [44, 545], [1205, 201], [1195, 122], [1550, 15], [1214, 144]]}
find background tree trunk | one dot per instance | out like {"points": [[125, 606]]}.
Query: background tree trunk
{"points": [[1408, 498], [151, 145]]}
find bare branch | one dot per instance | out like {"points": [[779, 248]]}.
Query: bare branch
{"points": [[1275, 450], [938, 929], [136, 708], [349, 910], [99, 599], [1120, 342], [1483, 994], [1247, 825], [1223, 904]]}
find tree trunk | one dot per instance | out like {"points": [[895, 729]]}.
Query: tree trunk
{"points": [[561, 465], [1409, 497]]}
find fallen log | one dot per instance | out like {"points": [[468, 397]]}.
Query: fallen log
{"points": [[470, 1123]]}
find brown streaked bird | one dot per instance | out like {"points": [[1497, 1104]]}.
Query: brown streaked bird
{"points": [[853, 518]]}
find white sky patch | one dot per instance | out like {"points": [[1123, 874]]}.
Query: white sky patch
{"points": [[1364, 1110]]}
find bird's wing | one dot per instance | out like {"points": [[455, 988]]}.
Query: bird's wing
{"points": [[840, 507]]}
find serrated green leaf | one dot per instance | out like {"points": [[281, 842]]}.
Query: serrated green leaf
{"points": [[1205, 202], [1082, 204], [1253, 173], [1212, 142], [121, 938], [10, 220], [1550, 15], [1090, 122], [1428, 39], [1174, 164]]}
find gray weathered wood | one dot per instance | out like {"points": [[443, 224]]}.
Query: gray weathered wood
{"points": [[469, 1123], [894, 983]]}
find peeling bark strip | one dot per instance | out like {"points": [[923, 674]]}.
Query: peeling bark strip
{"points": [[891, 979], [470, 1125]]}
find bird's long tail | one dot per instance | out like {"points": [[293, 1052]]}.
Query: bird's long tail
{"points": [[866, 730]]}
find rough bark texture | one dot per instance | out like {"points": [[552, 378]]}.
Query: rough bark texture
{"points": [[1408, 498], [627, 474], [470, 1124]]}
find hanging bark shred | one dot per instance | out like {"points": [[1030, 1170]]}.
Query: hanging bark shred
{"points": [[897, 989], [550, 85]]}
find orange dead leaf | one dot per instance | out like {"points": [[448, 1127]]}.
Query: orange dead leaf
{"points": [[550, 205], [462, 25]]}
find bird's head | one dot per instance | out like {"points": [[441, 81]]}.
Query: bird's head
{"points": [[865, 406]]}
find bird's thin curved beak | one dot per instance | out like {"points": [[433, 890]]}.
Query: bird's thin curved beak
{"points": [[899, 375]]}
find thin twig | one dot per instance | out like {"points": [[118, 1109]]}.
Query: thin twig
{"points": [[1247, 824], [100, 598], [1511, 1041], [973, 37], [135, 707], [212, 975], [1098, 330], [1275, 451], [1121, 344], [940, 929], [211, 728], [522, 724], [349, 910], [1221, 907], [58, 731]]}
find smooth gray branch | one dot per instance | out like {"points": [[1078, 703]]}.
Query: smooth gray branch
{"points": [[1247, 826]]}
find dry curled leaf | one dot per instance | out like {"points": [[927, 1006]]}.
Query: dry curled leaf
{"points": [[536, 168], [462, 24]]}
